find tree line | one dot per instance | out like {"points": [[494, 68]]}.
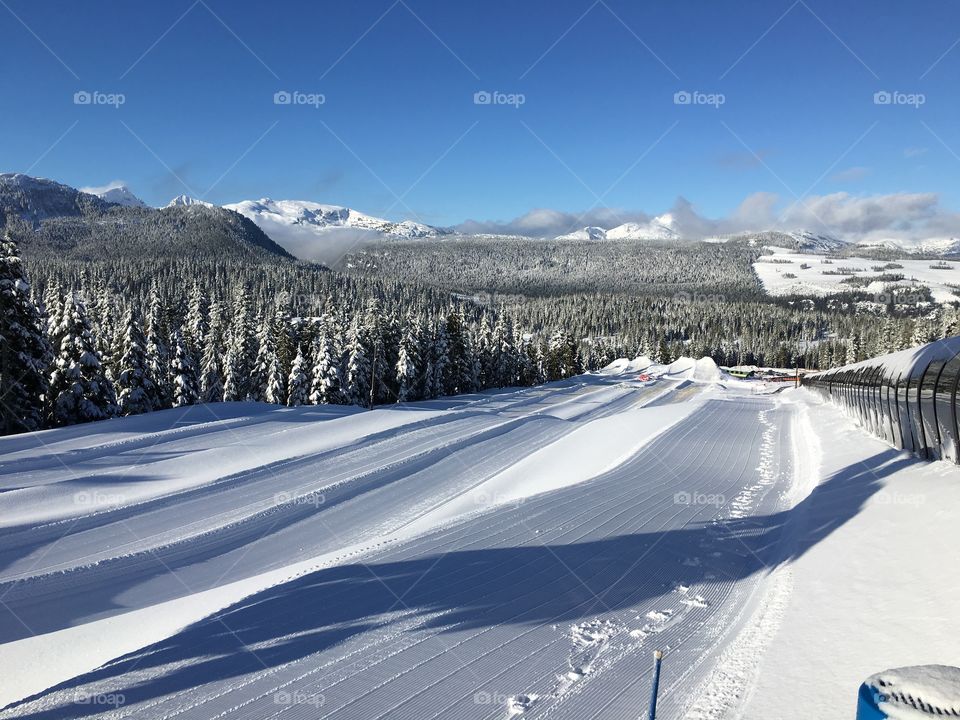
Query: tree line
{"points": [[77, 352]]}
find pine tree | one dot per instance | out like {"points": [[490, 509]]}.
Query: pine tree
{"points": [[372, 334], [505, 372], [357, 386], [276, 387], [105, 331], [407, 367], [197, 323], [211, 379], [486, 354], [136, 391], [459, 376], [24, 350], [183, 373], [562, 359], [326, 385], [260, 373], [239, 361], [53, 299], [79, 390], [284, 347], [158, 349], [437, 371], [298, 384]]}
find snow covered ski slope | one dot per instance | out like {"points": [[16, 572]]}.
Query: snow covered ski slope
{"points": [[513, 553]]}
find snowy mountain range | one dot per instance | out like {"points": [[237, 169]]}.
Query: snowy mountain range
{"points": [[316, 219], [662, 227], [117, 194], [35, 199], [187, 201], [310, 229], [801, 240], [56, 220], [927, 246]]}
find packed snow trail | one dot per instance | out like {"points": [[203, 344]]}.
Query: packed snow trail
{"points": [[546, 606], [269, 516]]}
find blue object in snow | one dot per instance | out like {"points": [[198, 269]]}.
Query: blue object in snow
{"points": [[910, 693], [658, 658]]}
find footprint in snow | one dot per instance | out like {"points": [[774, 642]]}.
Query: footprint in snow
{"points": [[519, 704]]}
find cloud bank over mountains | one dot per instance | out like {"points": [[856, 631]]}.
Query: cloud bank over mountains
{"points": [[902, 217]]}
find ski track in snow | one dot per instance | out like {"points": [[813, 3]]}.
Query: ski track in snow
{"points": [[549, 606]]}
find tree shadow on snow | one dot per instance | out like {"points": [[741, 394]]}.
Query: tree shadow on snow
{"points": [[529, 585]]}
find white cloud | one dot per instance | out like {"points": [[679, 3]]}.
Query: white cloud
{"points": [[546, 223], [97, 190], [905, 217]]}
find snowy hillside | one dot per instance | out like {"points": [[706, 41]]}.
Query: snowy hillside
{"points": [[800, 240], [662, 227], [810, 274], [187, 200], [928, 246], [39, 199], [301, 225], [117, 194]]}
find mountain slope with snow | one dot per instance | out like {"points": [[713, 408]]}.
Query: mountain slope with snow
{"points": [[56, 220], [187, 201], [304, 227], [35, 200], [116, 194], [662, 227]]}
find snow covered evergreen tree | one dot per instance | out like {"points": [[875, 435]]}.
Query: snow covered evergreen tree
{"points": [[79, 389], [298, 384], [183, 374], [136, 391], [408, 366], [240, 354], [196, 325], [260, 372], [24, 350], [284, 347], [275, 392], [158, 350], [211, 378], [326, 387], [357, 386], [459, 371]]}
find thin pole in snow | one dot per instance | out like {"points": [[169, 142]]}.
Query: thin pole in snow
{"points": [[657, 658]]}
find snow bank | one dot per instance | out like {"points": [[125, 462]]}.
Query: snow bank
{"points": [[686, 368], [683, 368], [611, 441], [873, 584], [623, 365]]}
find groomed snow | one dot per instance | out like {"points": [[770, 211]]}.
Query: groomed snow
{"points": [[517, 553]]}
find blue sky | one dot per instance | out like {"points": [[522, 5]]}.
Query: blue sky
{"points": [[399, 133]]}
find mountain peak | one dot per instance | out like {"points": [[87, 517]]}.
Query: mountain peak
{"points": [[116, 193], [187, 200], [304, 227]]}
